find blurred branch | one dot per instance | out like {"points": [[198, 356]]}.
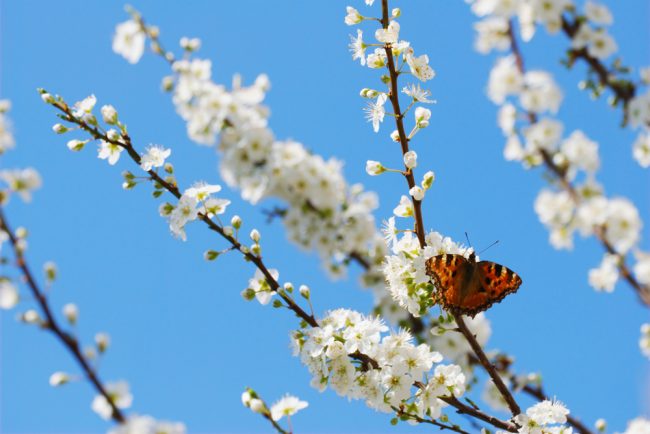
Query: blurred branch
{"points": [[51, 324], [642, 291]]}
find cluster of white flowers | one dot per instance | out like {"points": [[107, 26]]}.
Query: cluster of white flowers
{"points": [[329, 353], [405, 270], [120, 396], [639, 425], [323, 212], [19, 181], [546, 417], [585, 210], [196, 199]]}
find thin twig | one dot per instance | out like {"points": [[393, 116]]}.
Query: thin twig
{"points": [[67, 339]]}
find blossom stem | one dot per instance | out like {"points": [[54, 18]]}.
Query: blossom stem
{"points": [[66, 338], [419, 225]]}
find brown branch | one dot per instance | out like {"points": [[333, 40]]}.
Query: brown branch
{"points": [[173, 189], [623, 90], [403, 414], [67, 339], [478, 414], [419, 226], [366, 361], [643, 292]]}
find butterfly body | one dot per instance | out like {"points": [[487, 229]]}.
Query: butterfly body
{"points": [[465, 286]]}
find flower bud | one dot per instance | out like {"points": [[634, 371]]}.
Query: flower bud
{"points": [[288, 286], [60, 128], [167, 83], [422, 116], [71, 313], [9, 295], [410, 159], [395, 136], [90, 353], [601, 425], [113, 135], [246, 398], [256, 249], [102, 340], [304, 291], [76, 145], [210, 255], [277, 304], [50, 271], [235, 221], [374, 168], [31, 317], [109, 114], [417, 193], [21, 232], [59, 379], [248, 294], [47, 98], [428, 179], [255, 235], [257, 405], [396, 12]]}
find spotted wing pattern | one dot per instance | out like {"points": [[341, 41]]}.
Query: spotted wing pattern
{"points": [[467, 287]]}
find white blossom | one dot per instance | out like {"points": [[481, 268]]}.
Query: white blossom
{"points": [[287, 406], [375, 111], [419, 66], [129, 41], [598, 13], [120, 396], [604, 277], [505, 79], [358, 47], [154, 157]]}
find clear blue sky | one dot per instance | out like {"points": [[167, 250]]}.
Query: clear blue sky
{"points": [[182, 336]]}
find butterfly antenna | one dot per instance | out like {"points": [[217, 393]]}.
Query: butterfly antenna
{"points": [[467, 238], [493, 244]]}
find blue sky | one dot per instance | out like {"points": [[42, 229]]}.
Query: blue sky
{"points": [[182, 336]]}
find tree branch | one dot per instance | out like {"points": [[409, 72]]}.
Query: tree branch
{"points": [[67, 339]]}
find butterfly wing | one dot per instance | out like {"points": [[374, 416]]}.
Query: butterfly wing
{"points": [[466, 287], [490, 284], [449, 273]]}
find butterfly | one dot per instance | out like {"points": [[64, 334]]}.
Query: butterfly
{"points": [[467, 287]]}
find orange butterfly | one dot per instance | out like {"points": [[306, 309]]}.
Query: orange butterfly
{"points": [[467, 287]]}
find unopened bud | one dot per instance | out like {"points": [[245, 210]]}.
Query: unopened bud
{"points": [[304, 291], [59, 379], [60, 128], [210, 255], [102, 340], [255, 235], [235, 221], [71, 313]]}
